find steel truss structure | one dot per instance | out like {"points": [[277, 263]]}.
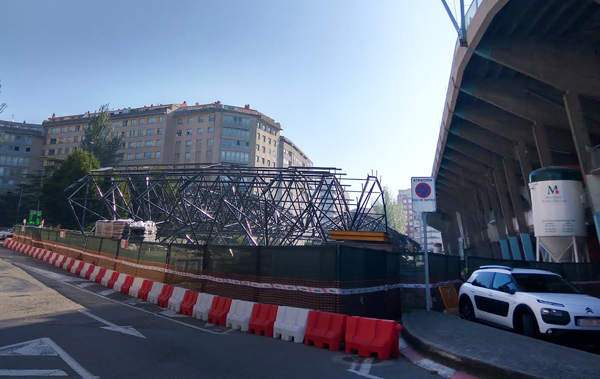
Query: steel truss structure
{"points": [[233, 205]]}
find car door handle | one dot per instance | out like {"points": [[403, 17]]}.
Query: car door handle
{"points": [[490, 294]]}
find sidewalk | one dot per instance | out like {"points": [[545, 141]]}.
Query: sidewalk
{"points": [[490, 352]]}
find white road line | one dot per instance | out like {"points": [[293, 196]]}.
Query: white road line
{"points": [[432, 366], [363, 369], [123, 304], [113, 327], [85, 374], [31, 373], [106, 292], [85, 284]]}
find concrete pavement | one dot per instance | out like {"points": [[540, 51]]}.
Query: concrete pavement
{"points": [[490, 352], [56, 324]]}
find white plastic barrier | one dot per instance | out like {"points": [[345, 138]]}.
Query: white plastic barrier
{"points": [[67, 263], [202, 307], [176, 298], [135, 286], [94, 273], [290, 324], [239, 315], [84, 270], [75, 266], [119, 282], [107, 275], [154, 293], [59, 260], [51, 257]]}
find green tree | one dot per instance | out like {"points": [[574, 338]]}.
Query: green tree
{"points": [[395, 214], [55, 207], [101, 139]]}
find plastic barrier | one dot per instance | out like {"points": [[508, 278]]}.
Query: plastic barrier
{"points": [[60, 261], [218, 312], [76, 269], [68, 261], [135, 286], [203, 306], [165, 295], [290, 324], [369, 336], [324, 329], [50, 257], [69, 266], [38, 253], [116, 285], [176, 298], [239, 315], [155, 292], [143, 292], [97, 274], [55, 259], [116, 276], [189, 300], [108, 275], [262, 319], [124, 287], [43, 255], [89, 272], [84, 270], [31, 249]]}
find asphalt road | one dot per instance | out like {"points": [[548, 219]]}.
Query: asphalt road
{"points": [[53, 323]]}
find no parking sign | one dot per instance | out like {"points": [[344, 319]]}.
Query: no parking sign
{"points": [[423, 194]]}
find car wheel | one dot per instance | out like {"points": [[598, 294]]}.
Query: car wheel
{"points": [[466, 310], [529, 326]]}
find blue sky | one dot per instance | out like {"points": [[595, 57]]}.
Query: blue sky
{"points": [[358, 85]]}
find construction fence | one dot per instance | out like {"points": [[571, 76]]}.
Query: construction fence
{"points": [[331, 277]]}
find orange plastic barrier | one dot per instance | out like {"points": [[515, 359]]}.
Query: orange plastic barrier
{"points": [[218, 312], [165, 295], [262, 319], [145, 290], [127, 284], [189, 300], [324, 329], [372, 336]]}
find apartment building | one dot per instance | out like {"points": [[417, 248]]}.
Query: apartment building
{"points": [[414, 225], [20, 150], [178, 134], [290, 155]]}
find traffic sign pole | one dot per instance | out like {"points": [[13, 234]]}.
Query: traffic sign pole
{"points": [[427, 288]]}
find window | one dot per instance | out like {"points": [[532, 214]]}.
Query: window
{"points": [[257, 147], [160, 119], [177, 156], [210, 141], [158, 142], [141, 121], [268, 162], [264, 149], [483, 279], [211, 129], [264, 139], [129, 156], [188, 155], [70, 128], [151, 120], [157, 154], [122, 134], [85, 126], [190, 120], [78, 128], [138, 144], [60, 150], [140, 132], [200, 119], [148, 143], [54, 131], [543, 283], [132, 133], [269, 141], [147, 155], [188, 143], [178, 145], [258, 136], [149, 132], [130, 145], [138, 155], [28, 149], [189, 132], [180, 121], [116, 124], [66, 150], [199, 142], [61, 140], [232, 132], [133, 122], [269, 151], [234, 156], [200, 130], [236, 120], [257, 159], [159, 131], [211, 118], [51, 152], [263, 160], [63, 129], [52, 141], [198, 155], [124, 122], [208, 153], [179, 133]]}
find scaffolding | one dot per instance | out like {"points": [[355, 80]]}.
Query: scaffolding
{"points": [[232, 205]]}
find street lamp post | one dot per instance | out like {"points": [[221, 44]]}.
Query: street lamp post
{"points": [[87, 188], [19, 206]]}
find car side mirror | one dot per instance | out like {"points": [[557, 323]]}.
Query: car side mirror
{"points": [[507, 289]]}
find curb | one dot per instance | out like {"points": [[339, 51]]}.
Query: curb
{"points": [[456, 360]]}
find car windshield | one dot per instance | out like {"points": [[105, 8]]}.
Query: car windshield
{"points": [[544, 283]]}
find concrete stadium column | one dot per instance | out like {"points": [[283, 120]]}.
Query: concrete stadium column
{"points": [[507, 211], [515, 196], [524, 160], [487, 207], [541, 143], [500, 222]]}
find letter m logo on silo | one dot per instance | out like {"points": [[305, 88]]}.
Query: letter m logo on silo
{"points": [[552, 191]]}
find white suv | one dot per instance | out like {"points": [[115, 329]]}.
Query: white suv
{"points": [[528, 301]]}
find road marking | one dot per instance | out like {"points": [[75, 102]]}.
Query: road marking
{"points": [[41, 347], [106, 292], [121, 303], [30, 373], [85, 284], [113, 327], [172, 313], [363, 369]]}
